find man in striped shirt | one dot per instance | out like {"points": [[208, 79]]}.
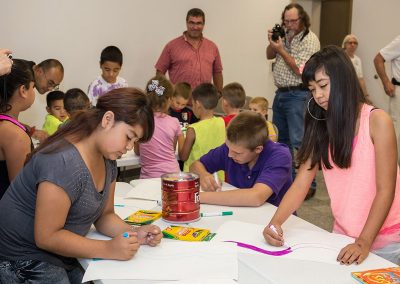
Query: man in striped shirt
{"points": [[191, 57]]}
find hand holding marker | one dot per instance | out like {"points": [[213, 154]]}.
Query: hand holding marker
{"points": [[272, 227]]}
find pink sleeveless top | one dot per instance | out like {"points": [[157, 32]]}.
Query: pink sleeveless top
{"points": [[352, 190]]}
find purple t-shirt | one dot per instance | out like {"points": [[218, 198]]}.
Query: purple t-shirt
{"points": [[273, 168]]}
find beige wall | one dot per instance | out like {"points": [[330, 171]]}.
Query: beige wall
{"points": [[76, 31], [375, 23]]}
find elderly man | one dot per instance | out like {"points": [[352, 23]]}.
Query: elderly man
{"points": [[191, 57], [391, 53], [291, 53]]}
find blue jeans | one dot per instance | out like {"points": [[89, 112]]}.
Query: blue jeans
{"points": [[288, 115], [35, 272]]}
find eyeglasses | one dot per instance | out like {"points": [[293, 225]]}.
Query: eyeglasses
{"points": [[190, 23], [287, 22], [51, 85]]}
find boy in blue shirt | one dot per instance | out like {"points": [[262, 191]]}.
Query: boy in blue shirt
{"points": [[258, 167]]}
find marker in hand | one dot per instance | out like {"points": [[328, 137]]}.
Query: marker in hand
{"points": [[215, 174], [272, 227]]}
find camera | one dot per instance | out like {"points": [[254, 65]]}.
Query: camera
{"points": [[277, 31]]}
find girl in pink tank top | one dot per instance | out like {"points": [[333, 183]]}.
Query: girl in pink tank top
{"points": [[356, 148]]}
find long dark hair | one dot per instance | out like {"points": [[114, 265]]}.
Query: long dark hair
{"points": [[335, 134], [21, 75], [129, 105]]}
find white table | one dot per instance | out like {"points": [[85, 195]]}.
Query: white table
{"points": [[128, 159], [258, 268]]}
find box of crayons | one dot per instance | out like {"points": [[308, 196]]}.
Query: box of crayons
{"points": [[142, 217], [187, 234]]}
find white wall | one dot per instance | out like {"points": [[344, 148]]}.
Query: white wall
{"points": [[375, 23], [76, 31]]}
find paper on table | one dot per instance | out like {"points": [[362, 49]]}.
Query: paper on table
{"points": [[306, 245], [146, 189], [171, 261]]}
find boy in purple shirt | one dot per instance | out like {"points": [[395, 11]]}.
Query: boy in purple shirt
{"points": [[258, 167]]}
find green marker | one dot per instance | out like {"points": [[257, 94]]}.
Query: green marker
{"points": [[212, 214]]}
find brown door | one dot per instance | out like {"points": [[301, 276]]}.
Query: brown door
{"points": [[335, 21]]}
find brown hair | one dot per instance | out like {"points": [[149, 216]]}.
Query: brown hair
{"points": [[183, 90], [234, 94], [248, 129], [161, 93], [129, 105], [303, 16], [207, 95]]}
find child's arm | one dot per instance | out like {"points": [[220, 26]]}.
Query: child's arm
{"points": [[255, 196], [292, 200], [384, 139], [188, 144], [136, 148], [16, 147], [52, 207], [110, 224], [181, 142]]}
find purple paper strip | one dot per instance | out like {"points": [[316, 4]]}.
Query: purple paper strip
{"points": [[260, 250]]}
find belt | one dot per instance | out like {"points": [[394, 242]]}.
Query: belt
{"points": [[292, 88], [395, 82]]}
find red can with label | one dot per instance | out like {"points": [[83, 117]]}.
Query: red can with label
{"points": [[180, 197]]}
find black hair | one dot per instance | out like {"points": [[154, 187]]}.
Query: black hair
{"points": [[54, 96], [335, 134], [51, 63], [196, 12], [111, 53], [75, 99], [207, 94], [21, 75]]}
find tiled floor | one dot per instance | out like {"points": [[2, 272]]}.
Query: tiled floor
{"points": [[315, 210]]}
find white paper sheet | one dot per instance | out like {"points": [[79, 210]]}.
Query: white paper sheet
{"points": [[307, 245], [146, 189], [171, 260]]}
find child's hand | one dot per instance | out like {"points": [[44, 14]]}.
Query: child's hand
{"points": [[149, 235], [123, 247], [356, 252], [274, 236], [208, 183]]}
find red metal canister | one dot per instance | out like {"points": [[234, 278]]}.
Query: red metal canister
{"points": [[180, 197]]}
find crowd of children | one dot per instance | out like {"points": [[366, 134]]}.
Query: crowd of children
{"points": [[68, 182]]}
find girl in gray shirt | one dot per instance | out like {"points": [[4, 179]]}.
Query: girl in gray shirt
{"points": [[66, 186]]}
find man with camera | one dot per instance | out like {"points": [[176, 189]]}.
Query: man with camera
{"points": [[391, 53], [291, 46]]}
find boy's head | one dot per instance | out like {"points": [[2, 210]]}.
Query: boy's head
{"points": [[206, 96], [181, 96], [233, 97], [245, 137], [259, 105], [75, 100], [55, 104], [110, 63]]}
